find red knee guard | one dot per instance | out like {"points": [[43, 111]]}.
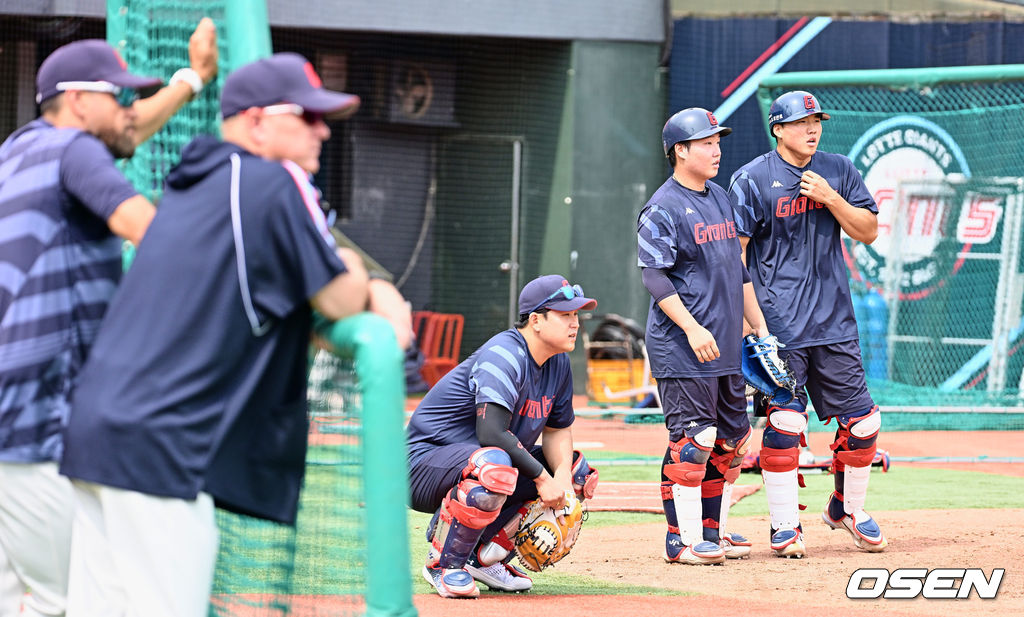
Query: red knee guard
{"points": [[785, 459], [686, 474]]}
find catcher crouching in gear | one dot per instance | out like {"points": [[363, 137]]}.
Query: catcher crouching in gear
{"points": [[473, 455], [689, 255], [790, 206]]}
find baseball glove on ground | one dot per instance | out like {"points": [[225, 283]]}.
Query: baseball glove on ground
{"points": [[765, 372], [543, 538]]}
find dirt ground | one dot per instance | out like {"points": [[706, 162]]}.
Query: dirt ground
{"points": [[767, 586]]}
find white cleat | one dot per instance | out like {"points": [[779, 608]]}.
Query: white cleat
{"points": [[500, 577], [735, 546]]}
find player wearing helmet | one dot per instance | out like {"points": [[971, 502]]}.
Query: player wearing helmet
{"points": [[689, 255], [790, 206]]}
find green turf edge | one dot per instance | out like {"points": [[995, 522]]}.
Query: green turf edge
{"points": [[901, 488]]}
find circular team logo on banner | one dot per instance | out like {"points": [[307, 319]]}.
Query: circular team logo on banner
{"points": [[902, 149]]}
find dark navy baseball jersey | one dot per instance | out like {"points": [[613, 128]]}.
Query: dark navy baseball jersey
{"points": [[691, 235], [502, 372], [795, 255]]}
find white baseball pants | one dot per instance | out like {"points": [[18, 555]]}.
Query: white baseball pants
{"points": [[137, 555], [36, 507]]}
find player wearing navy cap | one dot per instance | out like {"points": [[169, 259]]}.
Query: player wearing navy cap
{"points": [[473, 453], [65, 209], [689, 254], [791, 205]]}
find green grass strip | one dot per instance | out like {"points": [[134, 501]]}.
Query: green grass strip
{"points": [[901, 488], [551, 581]]}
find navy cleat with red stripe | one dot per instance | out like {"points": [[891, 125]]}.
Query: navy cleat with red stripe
{"points": [[450, 583], [788, 543]]}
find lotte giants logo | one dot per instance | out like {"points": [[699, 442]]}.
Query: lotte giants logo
{"points": [[892, 156], [940, 583]]}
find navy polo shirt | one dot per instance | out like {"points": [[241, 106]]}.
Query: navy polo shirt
{"points": [[181, 394]]}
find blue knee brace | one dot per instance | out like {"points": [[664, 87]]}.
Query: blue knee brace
{"points": [[472, 505], [855, 438], [780, 449], [785, 425], [685, 459]]}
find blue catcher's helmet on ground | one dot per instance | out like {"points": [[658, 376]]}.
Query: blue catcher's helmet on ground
{"points": [[689, 124], [793, 106]]}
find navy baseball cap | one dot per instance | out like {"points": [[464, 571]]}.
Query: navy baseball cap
{"points": [[89, 64], [553, 292], [282, 78]]}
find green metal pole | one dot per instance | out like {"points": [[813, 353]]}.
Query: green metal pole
{"points": [[370, 339], [116, 18], [248, 31], [897, 78]]}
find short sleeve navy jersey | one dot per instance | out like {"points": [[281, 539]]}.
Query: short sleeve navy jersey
{"points": [[502, 372], [795, 254], [691, 235]]}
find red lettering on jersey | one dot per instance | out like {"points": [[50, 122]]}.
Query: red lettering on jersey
{"points": [[782, 207], [700, 236], [537, 409], [708, 233], [787, 206]]}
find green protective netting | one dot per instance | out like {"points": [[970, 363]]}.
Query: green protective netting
{"points": [[938, 295], [340, 557], [270, 569], [152, 37]]}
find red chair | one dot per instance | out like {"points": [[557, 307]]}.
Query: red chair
{"points": [[420, 320], [442, 340]]}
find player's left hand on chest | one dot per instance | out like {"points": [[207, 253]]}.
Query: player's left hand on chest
{"points": [[816, 187]]}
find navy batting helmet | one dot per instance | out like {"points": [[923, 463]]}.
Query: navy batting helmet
{"points": [[793, 106], [688, 124]]}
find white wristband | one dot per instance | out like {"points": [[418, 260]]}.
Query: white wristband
{"points": [[190, 77]]}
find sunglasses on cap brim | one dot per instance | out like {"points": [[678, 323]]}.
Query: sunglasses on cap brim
{"points": [[309, 117], [125, 97], [567, 291]]}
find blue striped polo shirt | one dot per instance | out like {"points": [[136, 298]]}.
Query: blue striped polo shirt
{"points": [[59, 265]]}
